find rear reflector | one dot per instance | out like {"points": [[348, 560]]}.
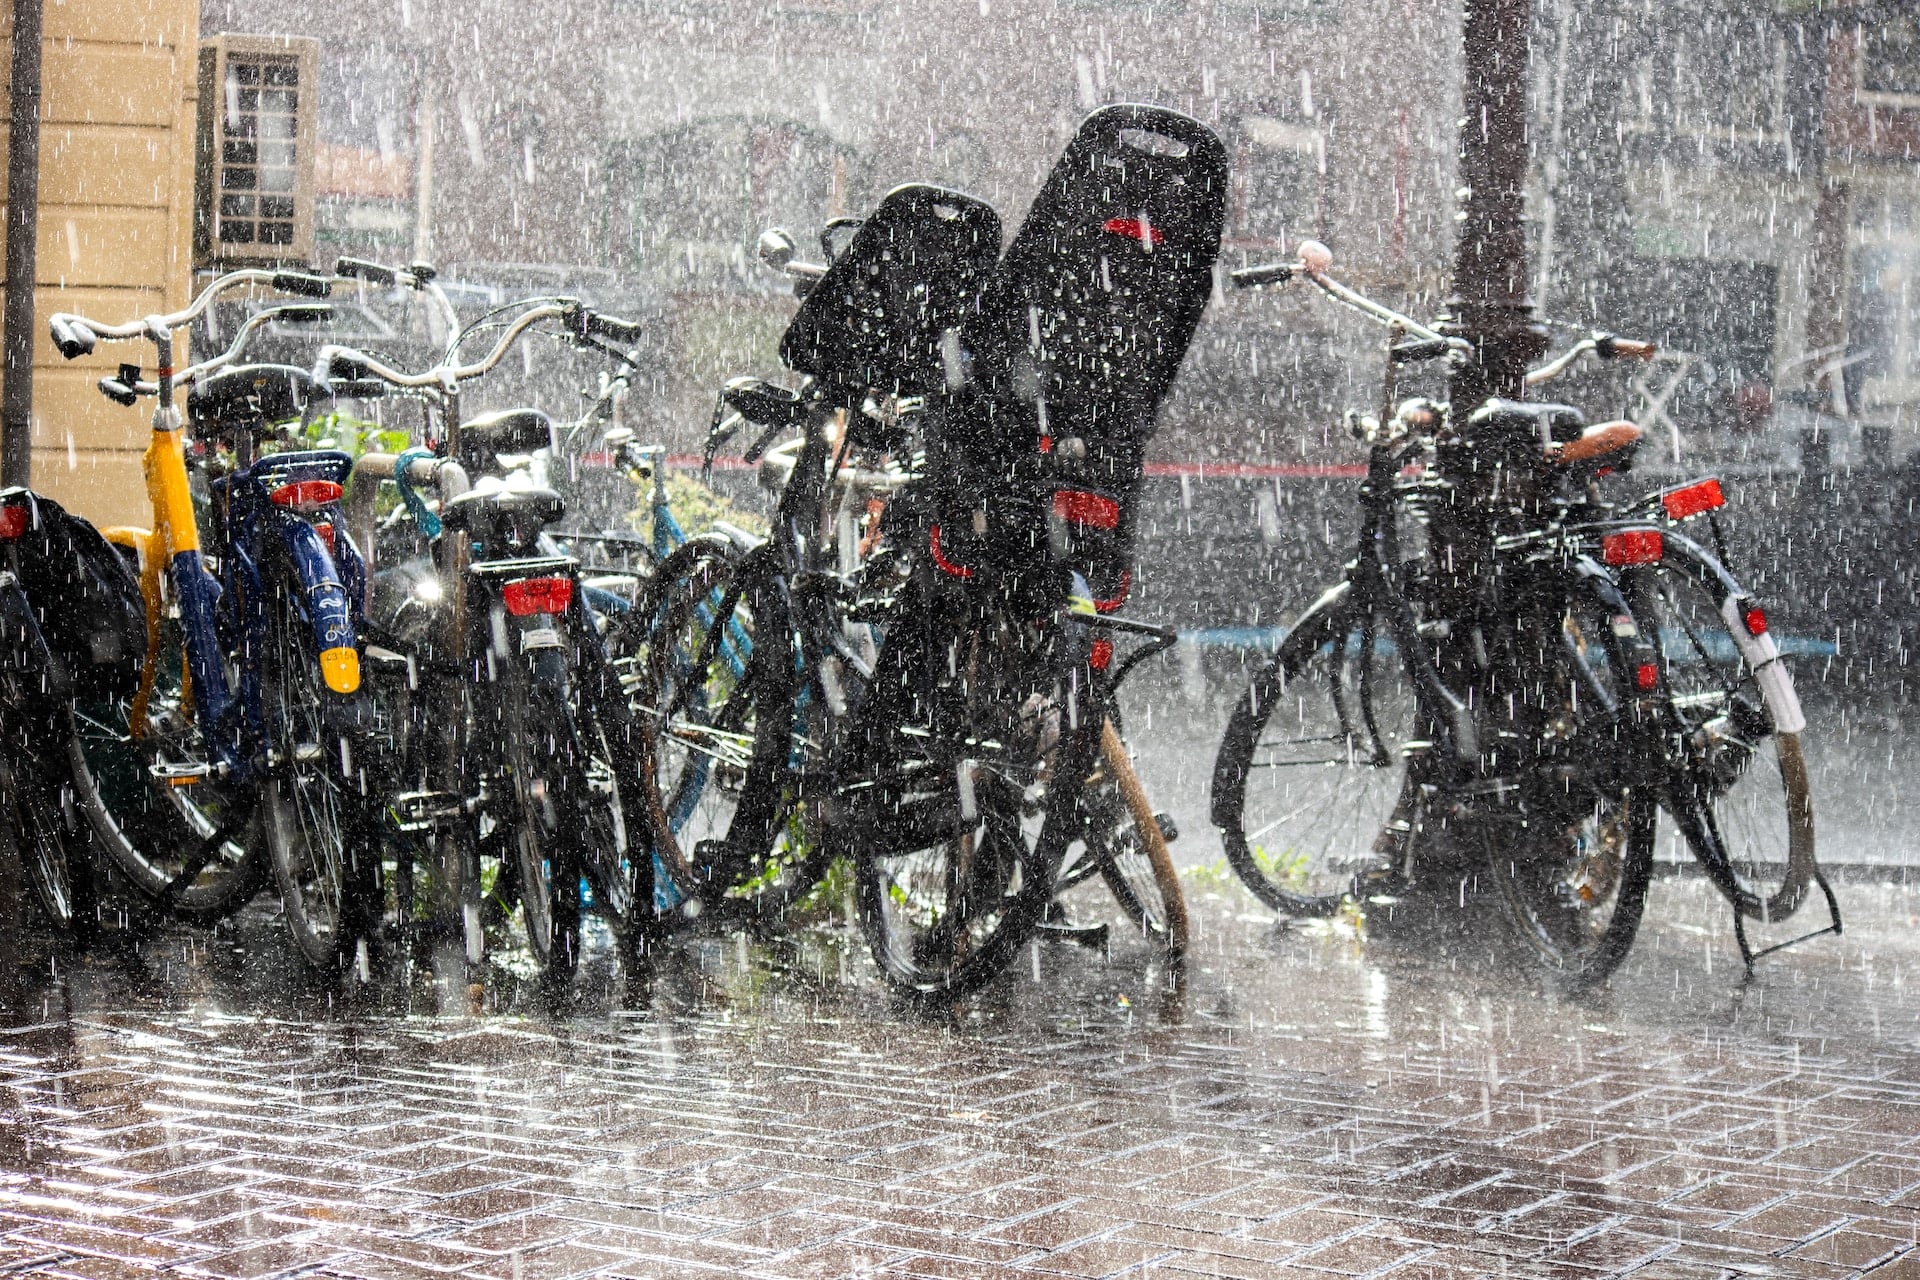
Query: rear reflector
{"points": [[306, 493], [1089, 510], [1102, 655], [1756, 619], [13, 522], [1633, 546], [326, 535], [529, 596], [1691, 500], [1134, 229], [1646, 675]]}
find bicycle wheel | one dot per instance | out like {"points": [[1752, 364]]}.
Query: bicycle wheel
{"points": [[961, 790], [320, 825], [1134, 862], [185, 839], [730, 732], [1311, 789], [552, 798], [53, 846], [1744, 809], [1569, 845]]}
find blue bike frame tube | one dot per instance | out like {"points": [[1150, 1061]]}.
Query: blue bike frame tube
{"points": [[198, 595]]}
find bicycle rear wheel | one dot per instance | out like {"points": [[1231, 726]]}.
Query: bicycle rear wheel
{"points": [[960, 792], [186, 840], [320, 824], [1737, 787], [552, 796], [1311, 789], [1570, 847], [731, 722]]}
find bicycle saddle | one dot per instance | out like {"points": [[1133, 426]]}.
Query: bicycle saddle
{"points": [[251, 396], [485, 439], [1544, 423], [1605, 440], [493, 502]]}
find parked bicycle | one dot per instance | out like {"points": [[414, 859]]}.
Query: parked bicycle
{"points": [[513, 745], [1515, 668], [241, 752], [936, 717]]}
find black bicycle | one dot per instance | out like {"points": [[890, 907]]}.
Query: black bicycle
{"points": [[1514, 669]]}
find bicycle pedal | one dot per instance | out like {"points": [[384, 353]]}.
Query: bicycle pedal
{"points": [[180, 775], [420, 810], [1091, 936]]}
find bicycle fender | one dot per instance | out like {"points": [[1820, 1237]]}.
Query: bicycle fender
{"points": [[1762, 656], [25, 646], [329, 610]]}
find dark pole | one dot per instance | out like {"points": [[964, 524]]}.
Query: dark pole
{"points": [[23, 215], [1490, 307]]}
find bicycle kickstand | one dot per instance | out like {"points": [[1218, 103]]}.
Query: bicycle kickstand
{"points": [[1834, 926]]}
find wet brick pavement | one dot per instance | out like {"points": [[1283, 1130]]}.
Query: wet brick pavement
{"points": [[1307, 1103]]}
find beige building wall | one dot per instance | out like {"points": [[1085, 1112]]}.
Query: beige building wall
{"points": [[116, 219]]}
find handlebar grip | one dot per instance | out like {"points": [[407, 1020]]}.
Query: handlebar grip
{"points": [[627, 332], [361, 269], [71, 337], [1270, 273], [358, 388], [341, 367], [118, 392], [1630, 347], [1421, 349], [300, 282]]}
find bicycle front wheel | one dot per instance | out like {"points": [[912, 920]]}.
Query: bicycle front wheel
{"points": [[1311, 789], [1737, 787]]}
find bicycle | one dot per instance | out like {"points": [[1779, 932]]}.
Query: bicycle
{"points": [[1526, 710], [513, 740], [953, 698], [241, 761]]}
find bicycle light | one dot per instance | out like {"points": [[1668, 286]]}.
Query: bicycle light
{"points": [[527, 596], [306, 494], [1633, 546], [1693, 499]]}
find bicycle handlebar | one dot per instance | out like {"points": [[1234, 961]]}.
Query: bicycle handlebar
{"points": [[75, 335], [1604, 345], [336, 362]]}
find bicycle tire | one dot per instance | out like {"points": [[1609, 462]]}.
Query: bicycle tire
{"points": [[1569, 848], [1339, 792], [319, 824], [148, 828], [729, 732], [963, 791], [1745, 815], [1131, 853], [54, 850], [550, 794]]}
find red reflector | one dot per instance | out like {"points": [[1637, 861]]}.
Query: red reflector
{"points": [[537, 595], [1703, 495], [1756, 619], [946, 565], [1046, 444], [1633, 546], [1134, 229], [326, 535], [1086, 509], [1646, 675], [1102, 655], [13, 522], [306, 493]]}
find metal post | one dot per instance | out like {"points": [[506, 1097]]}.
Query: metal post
{"points": [[23, 213], [1490, 307]]}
